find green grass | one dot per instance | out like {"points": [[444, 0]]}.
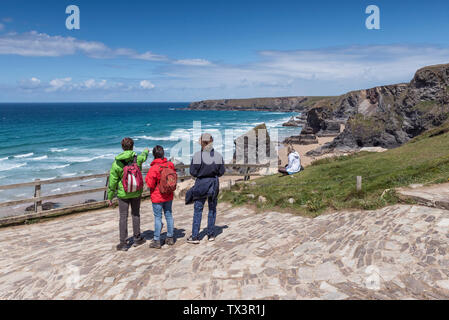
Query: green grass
{"points": [[426, 106], [312, 100], [330, 184]]}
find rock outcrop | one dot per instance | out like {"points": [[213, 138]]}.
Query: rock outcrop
{"points": [[45, 206], [306, 137], [248, 151], [321, 121], [292, 123]]}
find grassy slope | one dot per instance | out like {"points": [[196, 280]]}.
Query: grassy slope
{"points": [[329, 184]]}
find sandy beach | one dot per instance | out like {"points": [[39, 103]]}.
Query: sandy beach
{"points": [[302, 150]]}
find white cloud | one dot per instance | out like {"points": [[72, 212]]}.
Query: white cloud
{"points": [[42, 45], [148, 56], [58, 84], [320, 71], [67, 84], [32, 83], [193, 62], [34, 44], [91, 84], [145, 84], [35, 80], [381, 62], [325, 71]]}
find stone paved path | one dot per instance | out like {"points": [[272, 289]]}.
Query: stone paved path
{"points": [[399, 252]]}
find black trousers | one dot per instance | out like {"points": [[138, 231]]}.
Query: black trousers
{"points": [[123, 205]]}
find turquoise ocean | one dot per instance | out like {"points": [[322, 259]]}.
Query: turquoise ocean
{"points": [[57, 140]]}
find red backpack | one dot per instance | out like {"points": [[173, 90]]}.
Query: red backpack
{"points": [[132, 177], [168, 181]]}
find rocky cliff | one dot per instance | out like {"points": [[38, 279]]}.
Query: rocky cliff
{"points": [[385, 116]]}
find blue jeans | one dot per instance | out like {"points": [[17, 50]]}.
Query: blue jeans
{"points": [[157, 211], [198, 213]]}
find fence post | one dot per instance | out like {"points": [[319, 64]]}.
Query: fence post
{"points": [[247, 177], [37, 194], [359, 183], [105, 197]]}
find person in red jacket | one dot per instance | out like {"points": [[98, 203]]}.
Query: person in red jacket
{"points": [[161, 202]]}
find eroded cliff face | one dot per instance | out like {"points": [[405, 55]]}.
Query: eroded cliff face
{"points": [[386, 116]]}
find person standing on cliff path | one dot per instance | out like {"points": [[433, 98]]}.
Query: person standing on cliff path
{"points": [[162, 195], [130, 193], [207, 166]]}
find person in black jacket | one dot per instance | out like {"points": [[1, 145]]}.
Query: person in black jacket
{"points": [[206, 166]]}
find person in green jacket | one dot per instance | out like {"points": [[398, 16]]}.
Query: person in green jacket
{"points": [[126, 199]]}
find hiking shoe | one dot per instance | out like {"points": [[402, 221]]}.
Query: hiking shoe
{"points": [[122, 247], [211, 238], [155, 244], [170, 241], [139, 241], [193, 241]]}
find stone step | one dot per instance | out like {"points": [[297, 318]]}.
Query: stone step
{"points": [[435, 196]]}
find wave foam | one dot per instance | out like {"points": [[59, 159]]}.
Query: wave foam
{"points": [[40, 158], [58, 167], [3, 159], [24, 155], [69, 174], [85, 159], [171, 138], [12, 166], [58, 149]]}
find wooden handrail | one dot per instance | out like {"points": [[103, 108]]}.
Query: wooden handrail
{"points": [[52, 181], [231, 165], [51, 197], [38, 198], [104, 175]]}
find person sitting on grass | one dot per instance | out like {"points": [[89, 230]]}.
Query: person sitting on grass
{"points": [[129, 196], [160, 197], [294, 162]]}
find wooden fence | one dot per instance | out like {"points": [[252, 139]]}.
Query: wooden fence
{"points": [[38, 198]]}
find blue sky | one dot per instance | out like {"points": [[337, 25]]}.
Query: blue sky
{"points": [[193, 50]]}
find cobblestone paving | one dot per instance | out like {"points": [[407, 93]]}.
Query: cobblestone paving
{"points": [[398, 252]]}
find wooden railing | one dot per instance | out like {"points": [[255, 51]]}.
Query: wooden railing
{"points": [[38, 198]]}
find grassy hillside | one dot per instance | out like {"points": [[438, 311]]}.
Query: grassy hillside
{"points": [[329, 184]]}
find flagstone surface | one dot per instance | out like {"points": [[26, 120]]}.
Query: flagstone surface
{"points": [[432, 196], [399, 252]]}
